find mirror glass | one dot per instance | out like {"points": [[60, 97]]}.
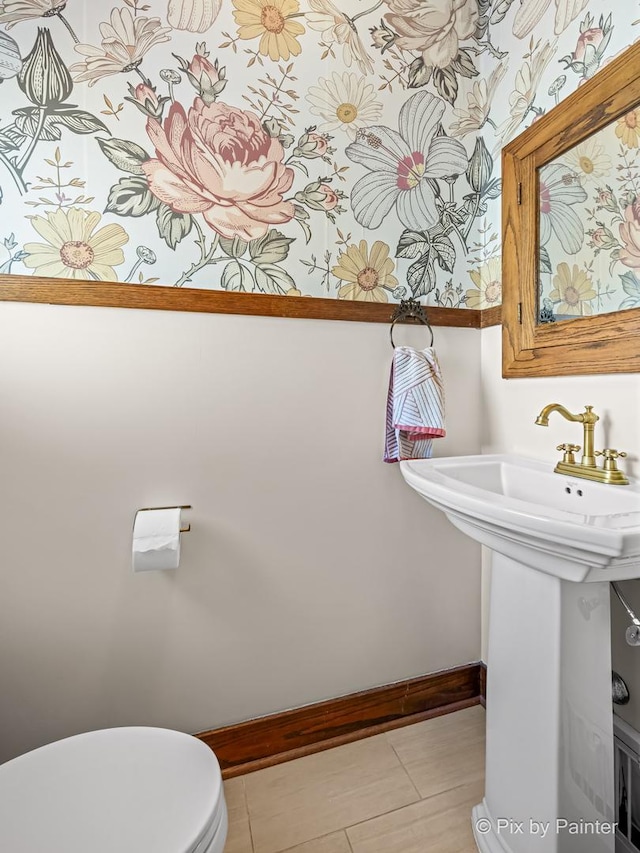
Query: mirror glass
{"points": [[589, 225]]}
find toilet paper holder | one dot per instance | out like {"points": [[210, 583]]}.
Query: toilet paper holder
{"points": [[183, 506]]}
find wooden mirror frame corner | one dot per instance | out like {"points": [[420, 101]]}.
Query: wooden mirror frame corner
{"points": [[603, 343]]}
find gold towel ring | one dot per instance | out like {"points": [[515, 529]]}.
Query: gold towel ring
{"points": [[409, 309]]}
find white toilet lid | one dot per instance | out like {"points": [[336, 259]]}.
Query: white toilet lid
{"points": [[127, 790]]}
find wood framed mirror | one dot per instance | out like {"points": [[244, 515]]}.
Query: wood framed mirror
{"points": [[571, 246]]}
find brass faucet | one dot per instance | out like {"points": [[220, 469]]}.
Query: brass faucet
{"points": [[587, 467]]}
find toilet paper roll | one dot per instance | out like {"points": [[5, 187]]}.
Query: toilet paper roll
{"points": [[156, 540]]}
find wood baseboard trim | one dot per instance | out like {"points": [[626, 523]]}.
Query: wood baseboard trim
{"points": [[483, 684], [252, 745]]}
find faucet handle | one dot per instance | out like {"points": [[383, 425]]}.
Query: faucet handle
{"points": [[610, 454], [569, 450]]}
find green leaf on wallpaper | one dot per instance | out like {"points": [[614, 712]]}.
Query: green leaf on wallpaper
{"points": [[125, 155], [270, 249], [472, 207], [444, 251], [78, 121], [273, 279], [411, 245], [545, 260], [493, 189], [235, 276], [301, 216], [131, 196], [6, 143], [173, 227], [27, 124], [446, 83], [421, 276], [614, 257], [482, 22], [235, 247], [14, 134], [500, 10], [305, 230], [297, 165], [419, 73], [463, 64]]}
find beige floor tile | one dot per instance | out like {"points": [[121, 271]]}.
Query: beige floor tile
{"points": [[441, 824], [334, 843], [442, 753], [319, 794], [239, 836]]}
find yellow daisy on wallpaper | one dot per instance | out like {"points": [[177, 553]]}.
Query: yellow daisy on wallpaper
{"points": [[269, 19], [367, 273], [488, 284], [628, 128], [73, 247], [573, 290]]}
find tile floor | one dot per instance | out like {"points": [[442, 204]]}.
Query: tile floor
{"points": [[407, 791]]}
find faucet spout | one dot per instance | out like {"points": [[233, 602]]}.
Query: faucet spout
{"points": [[543, 417]]}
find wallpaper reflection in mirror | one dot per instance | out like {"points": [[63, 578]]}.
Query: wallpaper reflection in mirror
{"points": [[590, 225]]}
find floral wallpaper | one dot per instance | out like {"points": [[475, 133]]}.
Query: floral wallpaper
{"points": [[554, 47], [590, 225], [345, 149]]}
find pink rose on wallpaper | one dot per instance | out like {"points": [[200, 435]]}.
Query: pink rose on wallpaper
{"points": [[313, 145], [201, 65], [433, 27], [630, 236], [331, 197], [219, 161], [593, 37]]}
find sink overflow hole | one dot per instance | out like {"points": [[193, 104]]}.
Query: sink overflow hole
{"points": [[568, 490]]}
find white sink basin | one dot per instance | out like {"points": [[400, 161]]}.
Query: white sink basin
{"points": [[549, 720], [567, 527]]}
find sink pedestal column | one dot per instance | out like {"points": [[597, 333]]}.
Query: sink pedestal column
{"points": [[549, 772]]}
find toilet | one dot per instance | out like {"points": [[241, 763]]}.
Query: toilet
{"points": [[124, 790]]}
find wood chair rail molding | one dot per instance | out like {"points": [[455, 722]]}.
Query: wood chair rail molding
{"points": [[56, 291], [605, 343]]}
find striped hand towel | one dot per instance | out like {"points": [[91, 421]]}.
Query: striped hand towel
{"points": [[415, 405]]}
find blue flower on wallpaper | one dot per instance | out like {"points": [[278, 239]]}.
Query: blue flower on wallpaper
{"points": [[559, 190], [631, 286], [403, 165]]}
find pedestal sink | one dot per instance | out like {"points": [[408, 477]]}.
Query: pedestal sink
{"points": [[557, 542]]}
